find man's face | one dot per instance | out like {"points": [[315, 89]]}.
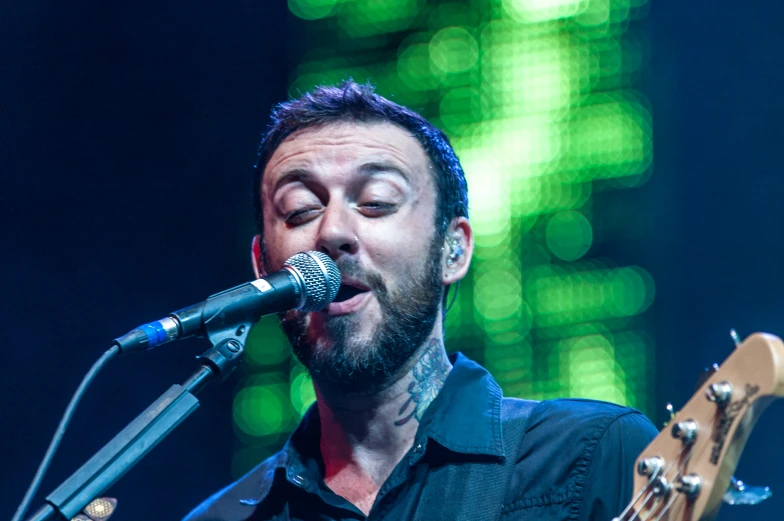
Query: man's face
{"points": [[364, 194]]}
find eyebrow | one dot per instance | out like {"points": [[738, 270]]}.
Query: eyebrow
{"points": [[304, 175], [375, 167], [292, 176]]}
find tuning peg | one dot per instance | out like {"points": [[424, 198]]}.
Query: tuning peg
{"points": [[689, 485], [686, 431], [735, 337], [719, 393], [650, 467], [660, 487]]}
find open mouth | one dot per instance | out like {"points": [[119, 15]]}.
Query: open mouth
{"points": [[347, 291]]}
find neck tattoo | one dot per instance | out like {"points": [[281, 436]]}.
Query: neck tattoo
{"points": [[429, 374]]}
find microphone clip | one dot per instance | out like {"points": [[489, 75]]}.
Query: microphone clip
{"points": [[224, 356]]}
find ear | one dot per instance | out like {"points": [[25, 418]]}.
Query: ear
{"points": [[256, 258], [458, 250]]}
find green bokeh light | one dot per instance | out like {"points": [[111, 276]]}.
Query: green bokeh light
{"points": [[363, 18], [313, 9], [542, 10], [569, 235], [561, 295], [267, 345], [261, 410], [415, 69], [453, 49], [302, 393]]}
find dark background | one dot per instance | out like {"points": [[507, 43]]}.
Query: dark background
{"points": [[127, 137]]}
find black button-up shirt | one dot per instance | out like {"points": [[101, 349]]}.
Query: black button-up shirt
{"points": [[575, 461]]}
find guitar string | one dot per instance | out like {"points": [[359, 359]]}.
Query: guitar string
{"points": [[649, 485], [633, 501], [703, 449], [650, 511], [680, 470], [637, 512], [672, 500], [666, 507], [647, 498]]}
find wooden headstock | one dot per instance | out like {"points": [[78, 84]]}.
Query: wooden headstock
{"points": [[684, 472]]}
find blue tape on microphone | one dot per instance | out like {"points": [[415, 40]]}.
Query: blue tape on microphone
{"points": [[155, 332]]}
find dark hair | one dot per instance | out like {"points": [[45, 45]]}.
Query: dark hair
{"points": [[353, 102]]}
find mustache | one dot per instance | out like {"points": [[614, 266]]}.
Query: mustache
{"points": [[350, 267]]}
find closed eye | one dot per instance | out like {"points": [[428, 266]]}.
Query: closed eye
{"points": [[377, 208], [302, 216]]}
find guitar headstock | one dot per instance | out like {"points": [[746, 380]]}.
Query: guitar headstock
{"points": [[684, 472]]}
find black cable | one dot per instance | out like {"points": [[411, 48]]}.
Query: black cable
{"points": [[60, 432], [454, 296]]}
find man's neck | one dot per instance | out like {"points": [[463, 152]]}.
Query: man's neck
{"points": [[364, 436]]}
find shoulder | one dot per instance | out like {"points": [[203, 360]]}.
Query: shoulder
{"points": [[238, 500], [577, 426], [577, 418], [586, 414], [565, 441]]}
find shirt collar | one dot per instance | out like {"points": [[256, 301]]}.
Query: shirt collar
{"points": [[290, 463], [465, 417]]}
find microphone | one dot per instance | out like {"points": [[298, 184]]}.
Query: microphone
{"points": [[308, 281]]}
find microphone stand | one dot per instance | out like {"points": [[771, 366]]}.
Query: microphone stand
{"points": [[142, 434]]}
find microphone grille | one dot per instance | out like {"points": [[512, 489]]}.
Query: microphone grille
{"points": [[321, 277]]}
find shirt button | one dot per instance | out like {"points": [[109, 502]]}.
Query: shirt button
{"points": [[298, 480], [418, 447]]}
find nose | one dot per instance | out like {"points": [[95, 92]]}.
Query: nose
{"points": [[336, 234]]}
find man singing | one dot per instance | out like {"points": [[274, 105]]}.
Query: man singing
{"points": [[399, 429]]}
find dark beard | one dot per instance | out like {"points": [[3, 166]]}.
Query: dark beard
{"points": [[408, 316]]}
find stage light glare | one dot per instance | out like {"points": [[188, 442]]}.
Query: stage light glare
{"points": [[560, 296], [459, 109], [453, 50], [497, 295], [531, 11], [259, 409], [266, 345], [415, 69], [569, 235], [513, 357], [313, 9], [364, 18], [302, 393], [592, 370]]}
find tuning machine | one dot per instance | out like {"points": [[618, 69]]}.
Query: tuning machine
{"points": [[719, 393], [689, 485], [686, 431], [650, 467]]}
